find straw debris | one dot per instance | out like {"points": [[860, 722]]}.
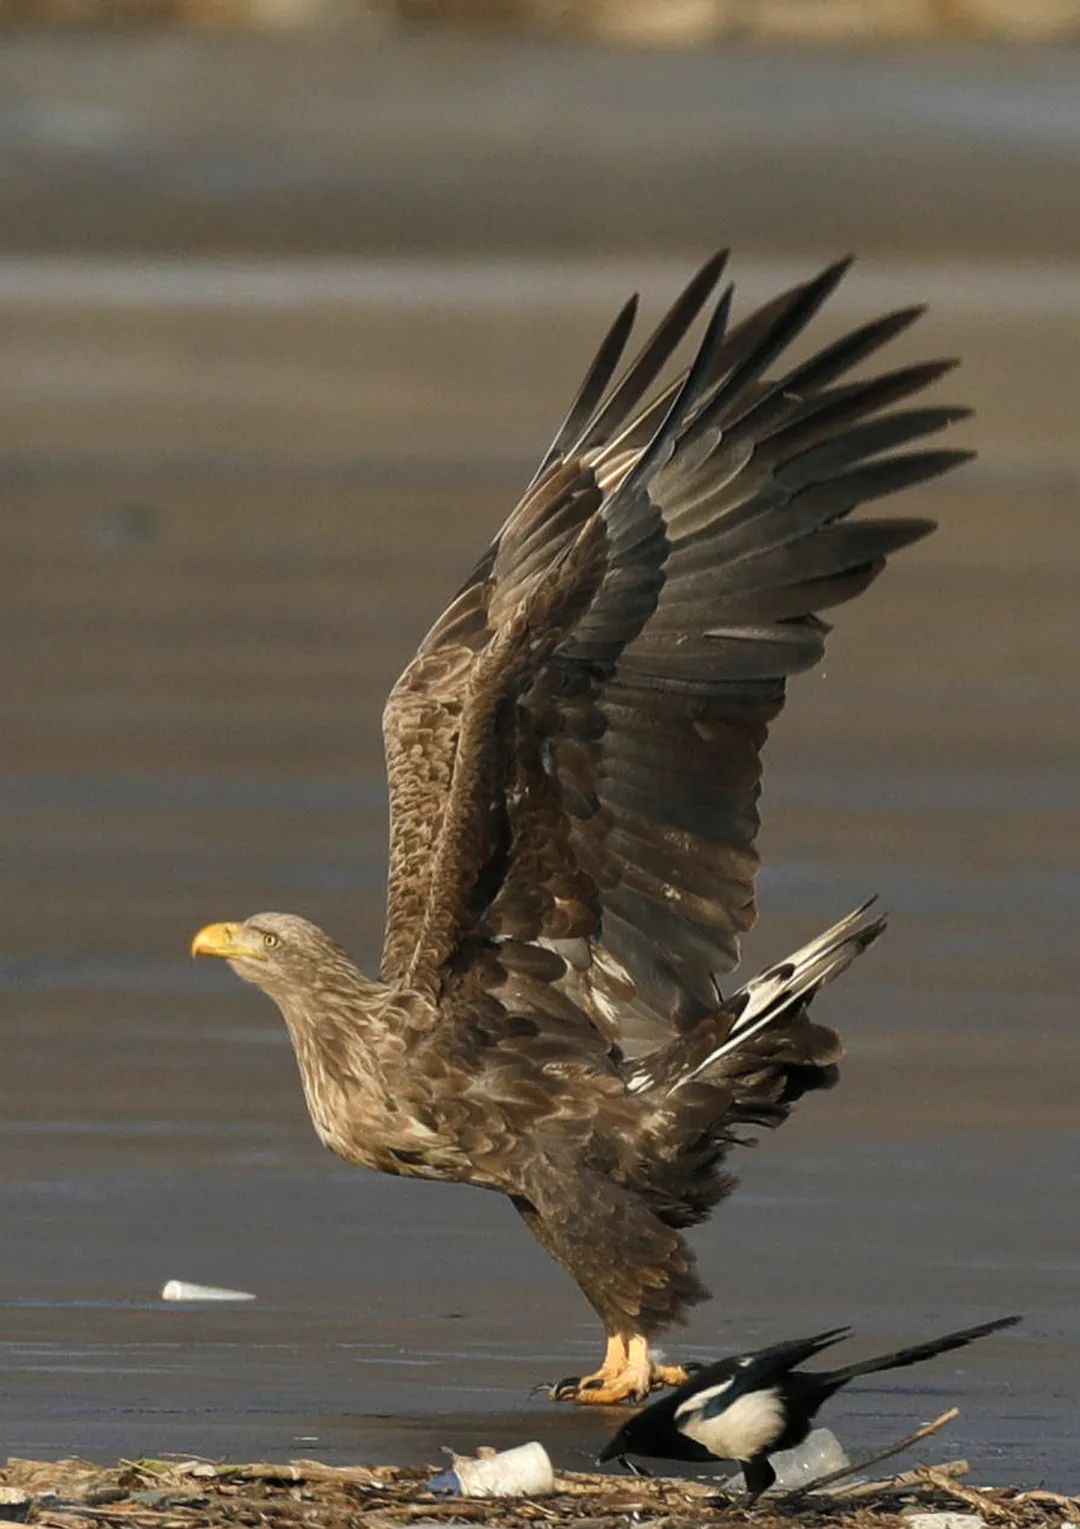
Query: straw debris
{"points": [[306, 1494]]}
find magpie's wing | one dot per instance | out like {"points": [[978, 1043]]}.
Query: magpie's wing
{"points": [[713, 1389], [768, 1364]]}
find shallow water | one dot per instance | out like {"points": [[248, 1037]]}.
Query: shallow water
{"points": [[226, 527]]}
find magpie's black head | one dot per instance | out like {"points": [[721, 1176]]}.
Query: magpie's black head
{"points": [[633, 1438]]}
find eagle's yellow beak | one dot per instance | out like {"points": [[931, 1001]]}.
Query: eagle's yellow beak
{"points": [[226, 940]]}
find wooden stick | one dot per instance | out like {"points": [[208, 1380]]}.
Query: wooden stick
{"points": [[901, 1482], [886, 1454], [982, 1502], [1069, 1505]]}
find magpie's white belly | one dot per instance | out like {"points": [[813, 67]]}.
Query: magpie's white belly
{"points": [[747, 1426]]}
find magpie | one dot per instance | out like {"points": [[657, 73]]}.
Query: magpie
{"points": [[749, 1406]]}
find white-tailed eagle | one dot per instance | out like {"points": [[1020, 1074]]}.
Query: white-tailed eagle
{"points": [[574, 760]]}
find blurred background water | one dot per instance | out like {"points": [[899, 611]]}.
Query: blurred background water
{"points": [[288, 317]]}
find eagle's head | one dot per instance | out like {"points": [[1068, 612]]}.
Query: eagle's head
{"points": [[279, 952]]}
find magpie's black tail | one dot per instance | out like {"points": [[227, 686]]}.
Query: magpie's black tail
{"points": [[834, 1379]]}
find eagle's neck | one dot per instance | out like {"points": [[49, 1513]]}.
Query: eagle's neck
{"points": [[337, 1023]]}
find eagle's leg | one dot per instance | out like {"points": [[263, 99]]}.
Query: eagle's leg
{"points": [[625, 1260], [628, 1373]]}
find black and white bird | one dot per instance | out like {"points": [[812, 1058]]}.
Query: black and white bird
{"points": [[749, 1406]]}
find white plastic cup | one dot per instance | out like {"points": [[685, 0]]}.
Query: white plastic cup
{"points": [[524, 1471]]}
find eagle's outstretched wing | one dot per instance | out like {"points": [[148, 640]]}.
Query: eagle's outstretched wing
{"points": [[575, 753]]}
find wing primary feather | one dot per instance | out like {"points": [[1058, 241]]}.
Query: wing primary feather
{"points": [[809, 377], [697, 379], [755, 344], [835, 359], [653, 356], [592, 389], [866, 440], [849, 402], [796, 1351], [638, 431], [887, 475]]}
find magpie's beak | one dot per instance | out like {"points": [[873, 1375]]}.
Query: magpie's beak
{"points": [[609, 1452]]}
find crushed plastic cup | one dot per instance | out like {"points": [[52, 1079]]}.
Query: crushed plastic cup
{"points": [[819, 1454], [524, 1471], [183, 1290]]}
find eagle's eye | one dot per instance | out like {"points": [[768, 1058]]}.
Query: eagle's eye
{"points": [[270, 941]]}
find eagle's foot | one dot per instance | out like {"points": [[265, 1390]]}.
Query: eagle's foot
{"points": [[627, 1374]]}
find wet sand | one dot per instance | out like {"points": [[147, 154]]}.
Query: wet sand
{"points": [[231, 511]]}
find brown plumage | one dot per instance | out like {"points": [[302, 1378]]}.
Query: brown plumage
{"points": [[574, 761]]}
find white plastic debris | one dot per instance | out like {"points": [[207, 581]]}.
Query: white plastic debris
{"points": [[182, 1290], [944, 1521], [819, 1454], [525, 1471]]}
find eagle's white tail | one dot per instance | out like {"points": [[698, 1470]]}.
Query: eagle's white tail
{"points": [[766, 998]]}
